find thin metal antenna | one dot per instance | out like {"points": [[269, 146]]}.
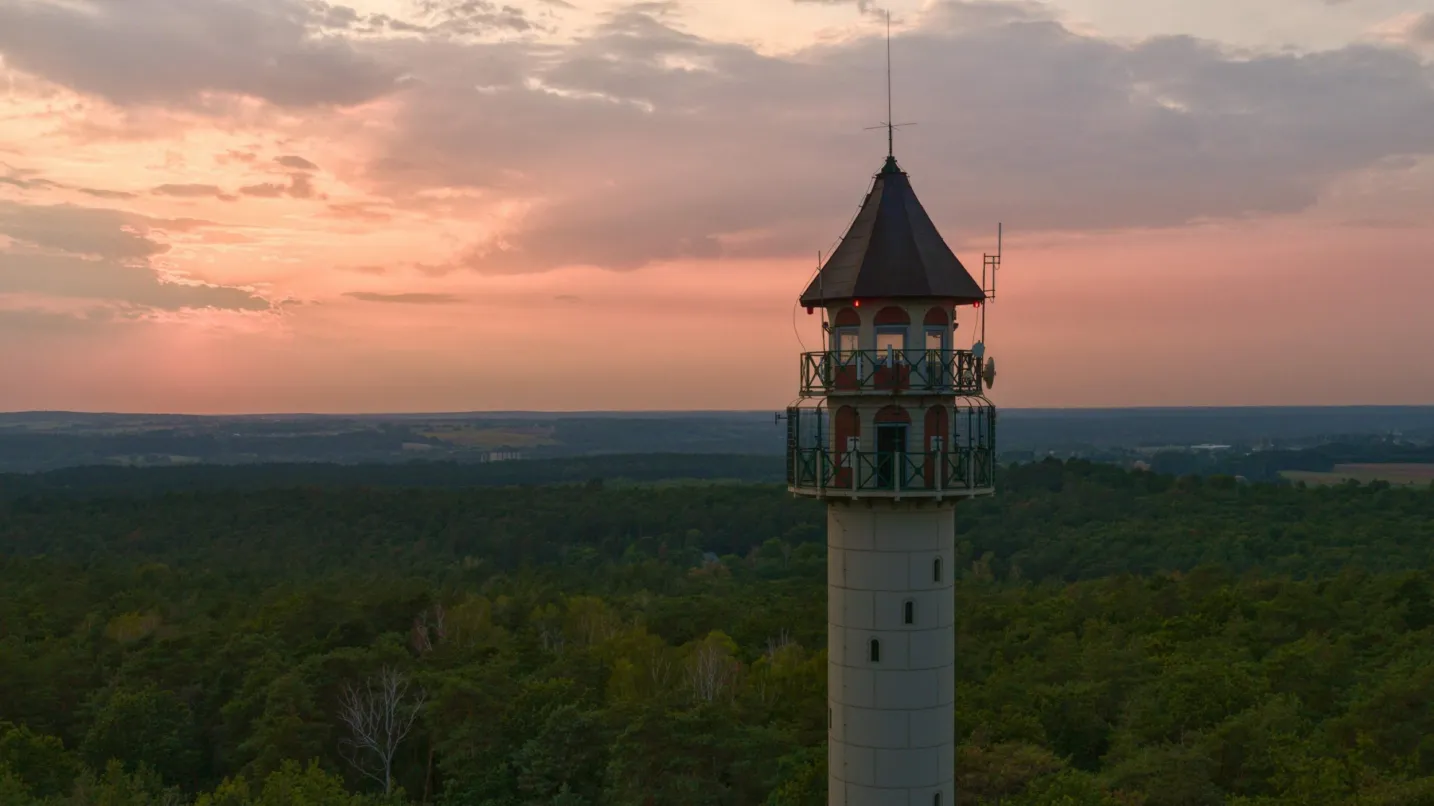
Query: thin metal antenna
{"points": [[821, 292], [989, 266], [890, 120], [889, 124]]}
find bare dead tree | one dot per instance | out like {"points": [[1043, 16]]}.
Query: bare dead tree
{"points": [[659, 667], [710, 672], [429, 630], [379, 715], [418, 637], [777, 644]]}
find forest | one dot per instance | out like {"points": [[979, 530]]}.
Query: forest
{"points": [[1124, 638]]}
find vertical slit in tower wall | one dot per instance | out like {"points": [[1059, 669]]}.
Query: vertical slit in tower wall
{"points": [[892, 739]]}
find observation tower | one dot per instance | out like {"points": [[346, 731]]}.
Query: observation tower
{"points": [[894, 430]]}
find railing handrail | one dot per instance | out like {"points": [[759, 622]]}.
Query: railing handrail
{"points": [[961, 469], [884, 351], [917, 369]]}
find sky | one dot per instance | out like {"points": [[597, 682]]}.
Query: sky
{"points": [[236, 206]]}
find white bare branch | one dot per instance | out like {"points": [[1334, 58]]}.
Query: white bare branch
{"points": [[379, 715], [710, 671]]}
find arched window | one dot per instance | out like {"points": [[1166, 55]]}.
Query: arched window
{"points": [[936, 799], [936, 570], [846, 329], [875, 651], [909, 612], [892, 315]]}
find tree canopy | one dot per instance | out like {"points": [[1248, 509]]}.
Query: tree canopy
{"points": [[1123, 638]]}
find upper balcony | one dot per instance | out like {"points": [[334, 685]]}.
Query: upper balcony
{"points": [[891, 371]]}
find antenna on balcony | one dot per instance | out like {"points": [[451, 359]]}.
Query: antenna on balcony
{"points": [[821, 292], [990, 265]]}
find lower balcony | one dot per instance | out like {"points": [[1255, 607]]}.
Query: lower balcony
{"points": [[951, 473]]}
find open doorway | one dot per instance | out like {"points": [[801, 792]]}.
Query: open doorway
{"points": [[890, 452]]}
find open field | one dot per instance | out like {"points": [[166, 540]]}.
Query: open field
{"points": [[1365, 473]]}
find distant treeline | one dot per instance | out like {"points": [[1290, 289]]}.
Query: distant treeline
{"points": [[47, 441], [620, 468], [610, 469], [1267, 465], [1051, 520]]}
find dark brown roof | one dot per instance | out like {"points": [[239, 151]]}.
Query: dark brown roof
{"points": [[892, 251]]}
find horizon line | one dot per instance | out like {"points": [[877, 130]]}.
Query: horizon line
{"points": [[689, 412]]}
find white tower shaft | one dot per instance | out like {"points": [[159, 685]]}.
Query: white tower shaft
{"points": [[892, 652]]}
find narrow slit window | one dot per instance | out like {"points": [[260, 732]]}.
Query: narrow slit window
{"points": [[936, 570], [936, 799], [875, 651], [909, 612]]}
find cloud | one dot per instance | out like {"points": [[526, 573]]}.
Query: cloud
{"points": [[30, 179], [134, 52], [193, 191], [412, 298], [643, 143], [1420, 29], [265, 190], [132, 284], [101, 193], [290, 161], [24, 178], [74, 252], [864, 6], [358, 211], [301, 186], [472, 16]]}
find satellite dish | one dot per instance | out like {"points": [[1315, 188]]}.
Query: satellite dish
{"points": [[988, 372]]}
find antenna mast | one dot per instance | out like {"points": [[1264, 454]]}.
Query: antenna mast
{"points": [[890, 123], [890, 120], [989, 266]]}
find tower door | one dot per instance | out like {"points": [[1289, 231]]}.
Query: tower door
{"points": [[890, 452]]}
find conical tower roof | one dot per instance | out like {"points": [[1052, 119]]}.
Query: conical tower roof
{"points": [[892, 251]]}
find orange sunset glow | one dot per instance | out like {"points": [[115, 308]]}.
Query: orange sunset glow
{"points": [[226, 206]]}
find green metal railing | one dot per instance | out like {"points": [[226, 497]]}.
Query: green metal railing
{"points": [[956, 471], [940, 372]]}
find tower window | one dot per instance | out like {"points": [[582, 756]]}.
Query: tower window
{"points": [[829, 718], [936, 799], [875, 651], [909, 614], [936, 570]]}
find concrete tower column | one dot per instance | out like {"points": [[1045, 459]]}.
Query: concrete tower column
{"points": [[891, 736]]}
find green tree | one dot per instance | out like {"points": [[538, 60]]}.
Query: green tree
{"points": [[145, 727], [41, 762]]}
